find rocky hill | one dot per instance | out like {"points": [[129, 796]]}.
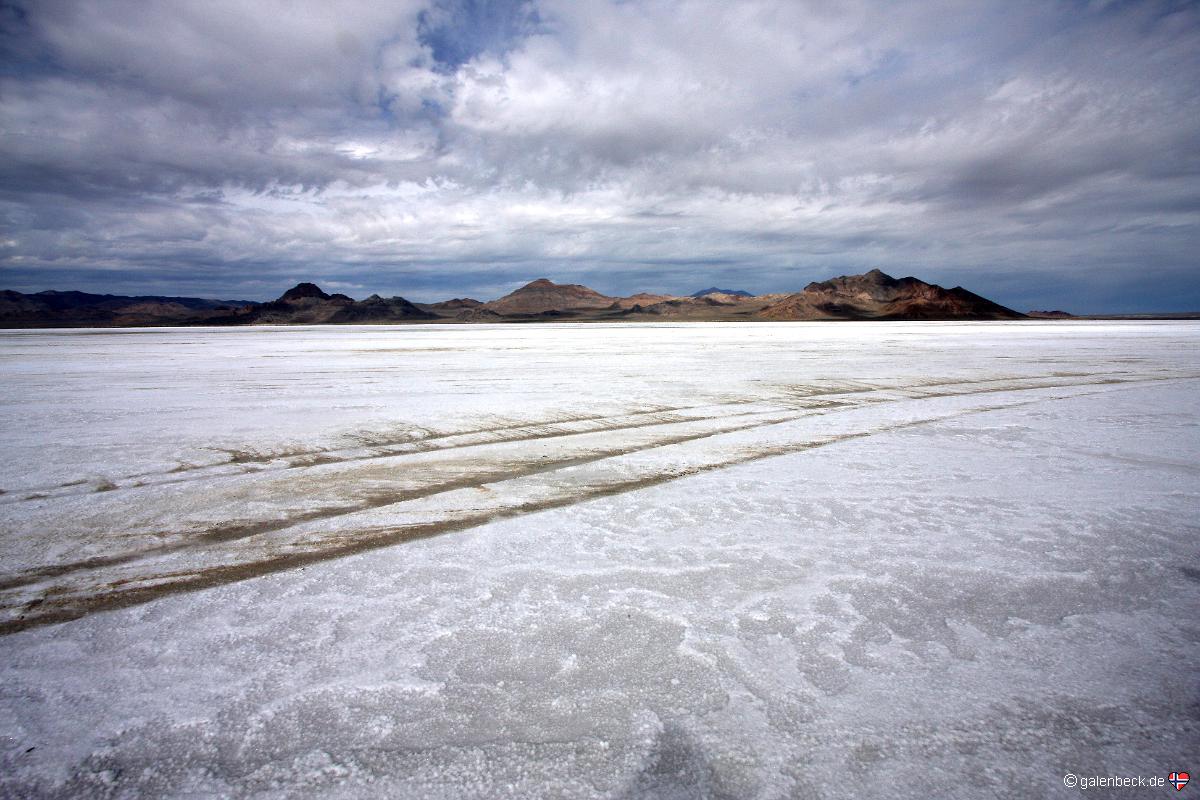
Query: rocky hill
{"points": [[307, 304], [450, 307], [876, 295], [542, 297]]}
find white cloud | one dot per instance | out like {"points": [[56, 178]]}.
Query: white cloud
{"points": [[774, 140]]}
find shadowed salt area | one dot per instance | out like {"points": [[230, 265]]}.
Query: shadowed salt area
{"points": [[710, 560]]}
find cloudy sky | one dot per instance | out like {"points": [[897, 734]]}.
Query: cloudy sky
{"points": [[1046, 154]]}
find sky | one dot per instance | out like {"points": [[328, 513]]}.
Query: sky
{"points": [[1044, 154]]}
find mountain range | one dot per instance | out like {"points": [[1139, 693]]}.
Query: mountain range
{"points": [[53, 309], [715, 290], [873, 295]]}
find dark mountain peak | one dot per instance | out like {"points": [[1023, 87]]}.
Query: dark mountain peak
{"points": [[375, 299], [715, 290], [877, 295], [540, 283], [876, 283], [303, 291], [376, 309], [875, 277]]}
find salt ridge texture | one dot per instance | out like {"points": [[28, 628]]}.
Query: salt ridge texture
{"points": [[723, 560]]}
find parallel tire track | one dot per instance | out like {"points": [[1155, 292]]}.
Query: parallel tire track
{"points": [[379, 518]]}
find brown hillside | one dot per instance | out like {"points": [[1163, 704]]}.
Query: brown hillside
{"points": [[876, 295], [543, 295]]}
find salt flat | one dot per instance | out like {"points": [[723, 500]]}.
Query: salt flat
{"points": [[724, 560]]}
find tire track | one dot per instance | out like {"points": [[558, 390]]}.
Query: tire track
{"points": [[58, 592], [365, 499], [243, 462], [371, 499]]}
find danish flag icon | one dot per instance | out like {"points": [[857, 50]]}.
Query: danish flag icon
{"points": [[1179, 780]]}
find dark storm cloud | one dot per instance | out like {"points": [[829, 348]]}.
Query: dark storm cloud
{"points": [[1046, 153]]}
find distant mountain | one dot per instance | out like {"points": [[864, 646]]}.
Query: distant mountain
{"points": [[876, 295], [376, 309], [452, 306], [306, 291], [542, 297], [640, 299], [1056, 314], [870, 296], [304, 303], [715, 290], [307, 304], [709, 306], [478, 314], [81, 309]]}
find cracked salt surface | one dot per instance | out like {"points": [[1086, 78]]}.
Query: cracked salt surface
{"points": [[910, 560]]}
